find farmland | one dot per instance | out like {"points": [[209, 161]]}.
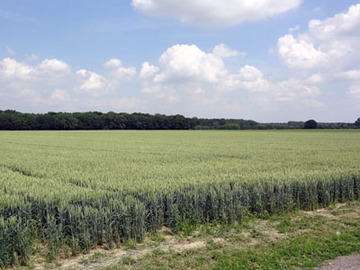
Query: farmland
{"points": [[74, 190]]}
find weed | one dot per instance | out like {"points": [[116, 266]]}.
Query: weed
{"points": [[128, 260]]}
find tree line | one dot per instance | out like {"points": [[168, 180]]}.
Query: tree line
{"points": [[14, 120]]}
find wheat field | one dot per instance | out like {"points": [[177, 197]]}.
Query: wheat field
{"points": [[74, 190]]}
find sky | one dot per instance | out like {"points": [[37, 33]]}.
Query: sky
{"points": [[265, 60]]}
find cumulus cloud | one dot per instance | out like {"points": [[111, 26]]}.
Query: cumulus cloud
{"points": [[47, 69], [188, 61], [224, 51], [214, 13], [293, 89], [184, 71], [11, 69], [148, 70], [341, 25], [118, 71], [52, 67], [51, 84], [199, 80], [96, 85], [315, 79], [164, 92], [328, 44], [327, 52], [300, 54], [113, 63], [91, 82], [248, 78]]}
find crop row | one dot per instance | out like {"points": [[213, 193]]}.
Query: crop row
{"points": [[79, 225]]}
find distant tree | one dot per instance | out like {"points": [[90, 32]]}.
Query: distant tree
{"points": [[229, 126], [295, 124], [201, 127], [357, 123], [310, 124]]}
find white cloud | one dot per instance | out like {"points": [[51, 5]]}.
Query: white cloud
{"points": [[315, 79], [92, 83], [343, 24], [50, 84], [293, 89], [300, 54], [185, 71], [53, 68], [163, 92], [350, 74], [215, 13], [328, 50], [11, 69], [98, 85], [224, 51], [48, 69], [148, 70], [188, 62], [191, 78], [118, 71], [330, 44], [249, 78], [123, 73], [113, 63]]}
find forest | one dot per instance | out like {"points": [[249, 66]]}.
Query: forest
{"points": [[14, 120]]}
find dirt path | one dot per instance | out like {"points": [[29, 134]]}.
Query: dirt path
{"points": [[351, 262], [113, 257]]}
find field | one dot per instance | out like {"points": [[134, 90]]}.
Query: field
{"points": [[72, 191]]}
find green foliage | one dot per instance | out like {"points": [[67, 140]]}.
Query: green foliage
{"points": [[16, 241], [305, 251], [357, 123], [230, 126], [310, 124], [13, 120]]}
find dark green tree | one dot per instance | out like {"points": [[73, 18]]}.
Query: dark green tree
{"points": [[310, 124], [357, 123]]}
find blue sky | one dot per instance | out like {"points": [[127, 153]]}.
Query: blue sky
{"points": [[266, 60]]}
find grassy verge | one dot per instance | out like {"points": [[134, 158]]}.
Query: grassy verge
{"points": [[298, 240]]}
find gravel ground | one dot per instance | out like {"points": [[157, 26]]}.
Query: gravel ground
{"points": [[342, 263]]}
